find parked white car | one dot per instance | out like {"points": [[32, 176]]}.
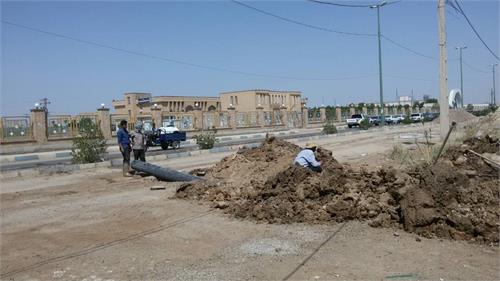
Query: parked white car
{"points": [[392, 119], [355, 120], [417, 117]]}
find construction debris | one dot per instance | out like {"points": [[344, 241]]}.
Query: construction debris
{"points": [[443, 200]]}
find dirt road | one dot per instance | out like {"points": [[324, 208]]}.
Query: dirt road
{"points": [[100, 226]]}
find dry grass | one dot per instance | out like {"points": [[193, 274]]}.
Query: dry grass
{"points": [[424, 152]]}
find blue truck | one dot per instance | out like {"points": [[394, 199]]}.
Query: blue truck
{"points": [[166, 139]]}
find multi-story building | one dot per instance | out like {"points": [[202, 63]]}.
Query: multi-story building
{"points": [[183, 110], [251, 100], [136, 104]]}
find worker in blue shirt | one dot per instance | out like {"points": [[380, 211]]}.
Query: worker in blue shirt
{"points": [[307, 159], [124, 144]]}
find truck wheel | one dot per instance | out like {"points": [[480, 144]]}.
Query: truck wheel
{"points": [[164, 145], [176, 144], [350, 126]]}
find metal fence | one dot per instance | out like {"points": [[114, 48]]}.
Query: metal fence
{"points": [[60, 126], [16, 128], [147, 122], [268, 118], [209, 120], [224, 120], [246, 119], [185, 122], [314, 117], [278, 118], [294, 119]]}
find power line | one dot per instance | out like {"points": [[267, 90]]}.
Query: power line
{"points": [[474, 68], [351, 5], [474, 29], [331, 30], [410, 78], [340, 5], [175, 61], [408, 49], [301, 23]]}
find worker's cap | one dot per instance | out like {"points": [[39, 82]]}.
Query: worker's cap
{"points": [[311, 145]]}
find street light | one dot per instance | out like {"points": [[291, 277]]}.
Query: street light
{"points": [[380, 61], [460, 48]]}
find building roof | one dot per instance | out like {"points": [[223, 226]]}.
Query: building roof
{"points": [[260, 90], [194, 97]]}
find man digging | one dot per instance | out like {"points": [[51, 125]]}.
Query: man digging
{"points": [[307, 159]]}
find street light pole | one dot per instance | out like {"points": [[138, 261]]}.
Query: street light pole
{"points": [[460, 48], [494, 87], [380, 62]]}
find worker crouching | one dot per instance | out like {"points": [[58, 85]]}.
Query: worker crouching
{"points": [[307, 159], [139, 146]]}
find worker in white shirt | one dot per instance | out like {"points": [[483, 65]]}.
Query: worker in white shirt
{"points": [[306, 158]]}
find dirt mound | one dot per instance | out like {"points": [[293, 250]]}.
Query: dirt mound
{"points": [[457, 198], [459, 116], [237, 174], [486, 144]]}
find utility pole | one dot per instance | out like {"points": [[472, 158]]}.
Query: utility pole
{"points": [[382, 113], [460, 48], [444, 119], [494, 87]]}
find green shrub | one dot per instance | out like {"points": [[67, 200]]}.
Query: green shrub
{"points": [[90, 145], [329, 128], [205, 140], [365, 124]]}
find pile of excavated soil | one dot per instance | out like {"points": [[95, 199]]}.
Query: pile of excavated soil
{"points": [[459, 116], [458, 198]]}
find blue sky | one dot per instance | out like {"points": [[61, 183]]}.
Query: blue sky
{"points": [[79, 77]]}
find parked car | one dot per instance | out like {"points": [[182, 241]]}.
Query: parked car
{"points": [[417, 117], [400, 117], [429, 116], [391, 120], [375, 120], [355, 120]]}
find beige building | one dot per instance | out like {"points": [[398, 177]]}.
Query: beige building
{"points": [[136, 104], [251, 100]]}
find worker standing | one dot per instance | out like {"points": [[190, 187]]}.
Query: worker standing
{"points": [[124, 144], [139, 143], [307, 159]]}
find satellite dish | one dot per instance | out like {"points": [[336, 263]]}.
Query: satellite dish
{"points": [[455, 99]]}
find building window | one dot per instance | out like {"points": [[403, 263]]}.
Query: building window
{"points": [[236, 99], [232, 100], [128, 100], [129, 113]]}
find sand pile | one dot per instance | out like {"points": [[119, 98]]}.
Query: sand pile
{"points": [[459, 116], [458, 198]]}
